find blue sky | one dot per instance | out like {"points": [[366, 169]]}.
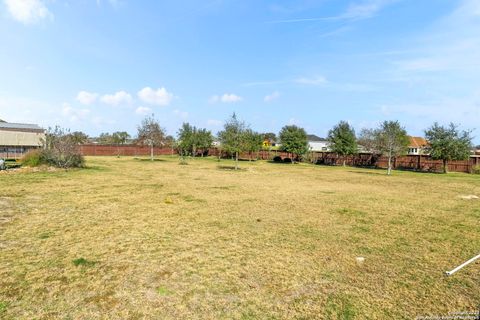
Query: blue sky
{"points": [[102, 65]]}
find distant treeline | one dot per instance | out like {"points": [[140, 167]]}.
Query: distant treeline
{"points": [[389, 139]]}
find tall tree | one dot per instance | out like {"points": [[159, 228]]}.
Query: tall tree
{"points": [[186, 139], [232, 137], [391, 140], [294, 140], [150, 133], [448, 143], [204, 140], [343, 140]]}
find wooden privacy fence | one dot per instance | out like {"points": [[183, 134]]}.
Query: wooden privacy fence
{"points": [[410, 162], [122, 150]]}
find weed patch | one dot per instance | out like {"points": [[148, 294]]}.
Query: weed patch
{"points": [[83, 262]]}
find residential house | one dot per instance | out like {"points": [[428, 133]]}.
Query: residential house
{"points": [[417, 146], [318, 144]]}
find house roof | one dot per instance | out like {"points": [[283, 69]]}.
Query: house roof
{"points": [[314, 138], [417, 142], [20, 126]]}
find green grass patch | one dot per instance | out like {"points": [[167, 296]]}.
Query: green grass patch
{"points": [[3, 307], [163, 291], [340, 307], [45, 235], [351, 212], [83, 262]]}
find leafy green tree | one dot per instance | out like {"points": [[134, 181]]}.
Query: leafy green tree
{"points": [[232, 137], [78, 137], [204, 140], [190, 139], [294, 140], [343, 140], [150, 133], [391, 140], [448, 143], [253, 142], [105, 138], [186, 140], [120, 137], [270, 137]]}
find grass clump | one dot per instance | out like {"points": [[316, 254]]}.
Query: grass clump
{"points": [[3, 307], [45, 235], [33, 158], [163, 291], [339, 307], [83, 262], [476, 169]]}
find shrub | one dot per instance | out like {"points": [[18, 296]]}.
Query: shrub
{"points": [[33, 158], [277, 159], [62, 150], [476, 169]]}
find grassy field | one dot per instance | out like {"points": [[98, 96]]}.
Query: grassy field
{"points": [[133, 239]]}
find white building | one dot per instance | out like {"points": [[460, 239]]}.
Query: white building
{"points": [[318, 144]]}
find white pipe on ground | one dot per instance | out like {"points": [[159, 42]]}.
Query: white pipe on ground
{"points": [[449, 273]]}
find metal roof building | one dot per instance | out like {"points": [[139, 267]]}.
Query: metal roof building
{"points": [[18, 138]]}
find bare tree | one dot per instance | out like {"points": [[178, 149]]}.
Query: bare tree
{"points": [[150, 133]]}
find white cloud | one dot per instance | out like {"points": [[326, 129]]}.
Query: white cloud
{"points": [[365, 9], [226, 98], [120, 97], [315, 81], [160, 97], [451, 44], [28, 11], [143, 111], [180, 114], [273, 96], [74, 115], [214, 123], [86, 98]]}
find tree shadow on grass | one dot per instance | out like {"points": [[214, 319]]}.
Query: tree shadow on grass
{"points": [[94, 168], [149, 160], [379, 172], [230, 168], [281, 162]]}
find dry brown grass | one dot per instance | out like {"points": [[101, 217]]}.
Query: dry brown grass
{"points": [[131, 239]]}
